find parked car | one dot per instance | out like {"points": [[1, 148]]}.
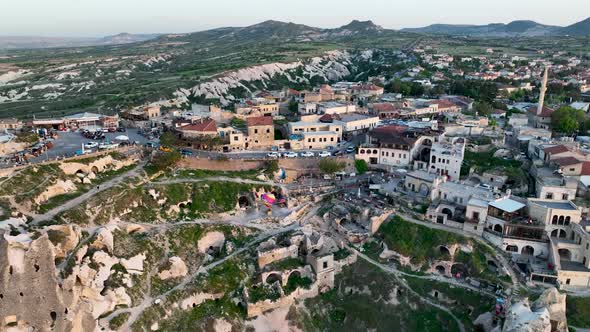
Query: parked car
{"points": [[121, 129], [485, 186], [291, 155], [151, 145], [91, 145], [272, 155], [165, 149], [324, 154], [186, 152], [307, 154], [337, 153], [350, 149]]}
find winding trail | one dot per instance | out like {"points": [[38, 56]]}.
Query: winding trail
{"points": [[82, 198]]}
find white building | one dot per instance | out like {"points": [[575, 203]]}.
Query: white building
{"points": [[357, 123], [446, 158], [332, 107]]}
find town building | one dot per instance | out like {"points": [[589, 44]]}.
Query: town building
{"points": [[260, 132]]}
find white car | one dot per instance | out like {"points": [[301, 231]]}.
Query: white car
{"points": [[90, 145], [307, 154], [324, 154], [290, 155], [273, 155]]}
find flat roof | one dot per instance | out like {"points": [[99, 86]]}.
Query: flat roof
{"points": [[507, 204], [319, 133], [561, 205]]}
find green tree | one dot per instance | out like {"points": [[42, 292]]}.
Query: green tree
{"points": [[238, 123], [293, 106], [272, 166], [331, 166], [483, 108], [361, 166], [569, 120], [168, 139], [165, 160]]}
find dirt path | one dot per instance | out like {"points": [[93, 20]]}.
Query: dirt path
{"points": [[82, 198]]}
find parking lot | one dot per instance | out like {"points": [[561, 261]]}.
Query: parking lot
{"points": [[69, 142]]}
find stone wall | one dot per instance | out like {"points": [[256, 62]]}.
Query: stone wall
{"points": [[219, 165], [96, 166], [273, 255], [258, 308]]}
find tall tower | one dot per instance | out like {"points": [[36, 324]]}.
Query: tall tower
{"points": [[543, 91]]}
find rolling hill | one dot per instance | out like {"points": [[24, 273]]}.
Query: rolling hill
{"points": [[523, 28]]}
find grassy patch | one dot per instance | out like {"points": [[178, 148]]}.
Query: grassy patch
{"points": [[118, 321], [367, 306], [467, 305], [578, 311], [286, 264], [204, 173], [416, 241]]}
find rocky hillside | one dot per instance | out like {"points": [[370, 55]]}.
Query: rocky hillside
{"points": [[332, 66]]}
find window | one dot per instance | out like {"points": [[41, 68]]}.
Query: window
{"points": [[325, 265], [268, 131], [255, 131], [565, 196], [549, 196], [572, 169], [235, 138]]}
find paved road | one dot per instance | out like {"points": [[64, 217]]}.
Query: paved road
{"points": [[69, 142]]}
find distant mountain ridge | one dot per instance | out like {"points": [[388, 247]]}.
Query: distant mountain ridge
{"points": [[32, 42], [521, 28], [287, 31]]}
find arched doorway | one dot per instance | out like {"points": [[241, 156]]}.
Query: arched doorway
{"points": [[244, 202], [492, 266], [498, 228], [555, 233], [459, 270], [423, 189], [444, 251], [511, 248], [272, 278], [565, 254], [440, 269], [94, 169], [527, 250], [562, 234], [448, 212]]}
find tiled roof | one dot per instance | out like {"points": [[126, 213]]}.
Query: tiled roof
{"points": [[567, 161], [547, 111], [208, 125], [556, 149], [259, 121]]}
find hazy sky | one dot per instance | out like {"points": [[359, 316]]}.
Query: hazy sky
{"points": [[102, 17]]}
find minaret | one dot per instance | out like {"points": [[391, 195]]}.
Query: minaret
{"points": [[543, 91]]}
